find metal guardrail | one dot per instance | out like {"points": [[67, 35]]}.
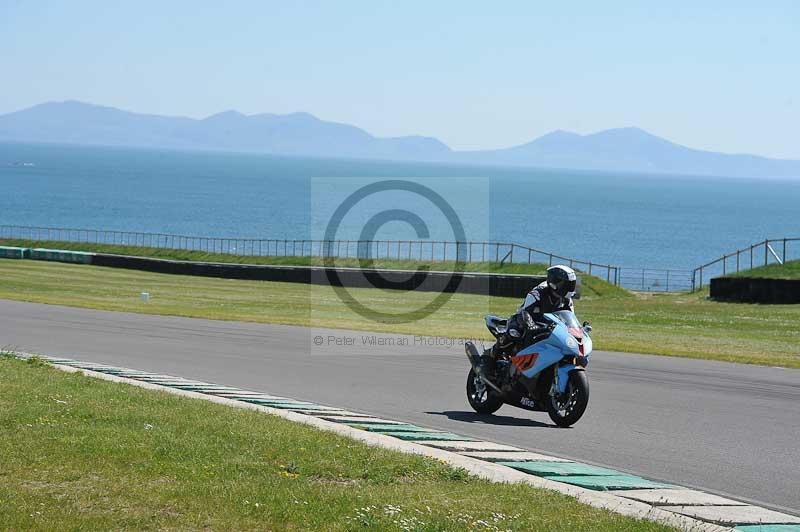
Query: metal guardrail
{"points": [[770, 251]]}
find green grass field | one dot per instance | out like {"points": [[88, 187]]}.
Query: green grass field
{"points": [[83, 454], [790, 270], [688, 325]]}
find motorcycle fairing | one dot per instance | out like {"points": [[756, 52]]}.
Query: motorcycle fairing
{"points": [[524, 362], [550, 351]]}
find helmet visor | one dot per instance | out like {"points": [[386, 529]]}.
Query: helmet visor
{"points": [[566, 287]]}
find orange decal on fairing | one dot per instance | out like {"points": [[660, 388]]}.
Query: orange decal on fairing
{"points": [[524, 362]]}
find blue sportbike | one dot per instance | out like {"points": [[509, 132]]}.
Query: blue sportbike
{"points": [[543, 369]]}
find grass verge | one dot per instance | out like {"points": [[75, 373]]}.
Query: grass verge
{"points": [[80, 453], [688, 325], [790, 270]]}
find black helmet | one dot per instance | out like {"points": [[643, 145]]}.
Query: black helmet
{"points": [[562, 280]]}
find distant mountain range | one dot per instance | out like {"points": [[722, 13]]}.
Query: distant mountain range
{"points": [[624, 149]]}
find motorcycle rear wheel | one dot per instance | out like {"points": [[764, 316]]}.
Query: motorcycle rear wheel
{"points": [[570, 411], [481, 397]]}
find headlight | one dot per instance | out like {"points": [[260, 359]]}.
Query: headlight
{"points": [[572, 343]]}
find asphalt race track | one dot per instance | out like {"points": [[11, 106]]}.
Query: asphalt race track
{"points": [[726, 428]]}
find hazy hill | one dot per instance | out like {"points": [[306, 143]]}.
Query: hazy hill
{"points": [[292, 134], [625, 149], [635, 150]]}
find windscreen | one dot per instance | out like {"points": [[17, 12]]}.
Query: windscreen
{"points": [[569, 318]]}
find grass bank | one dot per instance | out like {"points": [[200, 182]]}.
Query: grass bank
{"points": [[688, 325], [790, 270], [79, 453], [183, 254], [590, 284]]}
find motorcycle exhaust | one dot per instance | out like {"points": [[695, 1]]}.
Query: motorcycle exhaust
{"points": [[472, 354], [474, 359]]}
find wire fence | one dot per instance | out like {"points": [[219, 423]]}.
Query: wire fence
{"points": [[413, 250], [639, 279], [655, 280], [770, 251]]}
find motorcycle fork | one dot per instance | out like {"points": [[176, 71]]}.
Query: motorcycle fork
{"points": [[554, 387], [560, 380]]}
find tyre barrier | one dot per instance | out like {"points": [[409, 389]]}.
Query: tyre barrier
{"points": [[467, 283], [61, 255], [756, 290], [9, 252], [491, 284]]}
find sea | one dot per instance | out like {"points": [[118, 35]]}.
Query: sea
{"points": [[631, 220]]}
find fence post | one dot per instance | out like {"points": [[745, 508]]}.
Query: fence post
{"points": [[784, 251], [766, 250]]}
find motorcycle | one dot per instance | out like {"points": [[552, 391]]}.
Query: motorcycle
{"points": [[547, 372]]}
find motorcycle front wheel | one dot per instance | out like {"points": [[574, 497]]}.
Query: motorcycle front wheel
{"points": [[481, 398], [569, 411]]}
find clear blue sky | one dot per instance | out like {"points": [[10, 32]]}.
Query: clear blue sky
{"points": [[724, 75]]}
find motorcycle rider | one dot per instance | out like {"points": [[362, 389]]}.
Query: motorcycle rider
{"points": [[554, 294], [551, 295]]}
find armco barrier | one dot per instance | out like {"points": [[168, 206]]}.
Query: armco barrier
{"points": [[468, 283], [61, 255], [8, 252], [756, 290]]}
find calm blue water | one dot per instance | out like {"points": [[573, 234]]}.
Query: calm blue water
{"points": [[631, 220]]}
